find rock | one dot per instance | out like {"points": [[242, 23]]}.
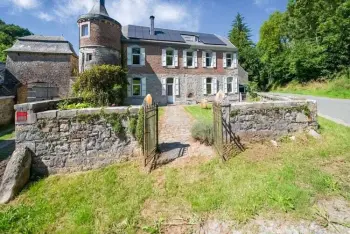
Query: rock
{"points": [[314, 134], [16, 175], [274, 143], [220, 96], [301, 118], [204, 104], [292, 138]]}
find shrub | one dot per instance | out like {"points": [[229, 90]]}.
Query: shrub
{"points": [[203, 132], [68, 105], [102, 85]]}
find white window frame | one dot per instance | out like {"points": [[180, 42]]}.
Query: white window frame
{"points": [[132, 87], [231, 59], [211, 85], [170, 56], [130, 56], [81, 30], [134, 54], [230, 83], [211, 58]]}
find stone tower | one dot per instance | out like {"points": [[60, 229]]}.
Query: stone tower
{"points": [[99, 38]]}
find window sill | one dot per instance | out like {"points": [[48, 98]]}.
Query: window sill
{"points": [[191, 67], [85, 36], [136, 65], [171, 67]]}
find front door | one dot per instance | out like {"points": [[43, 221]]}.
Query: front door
{"points": [[170, 93]]}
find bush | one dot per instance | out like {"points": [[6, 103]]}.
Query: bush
{"points": [[203, 132], [102, 85], [68, 105]]}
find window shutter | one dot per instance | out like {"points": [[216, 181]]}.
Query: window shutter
{"points": [[195, 59], [177, 87], [163, 86], [143, 56], [225, 61], [215, 86], [164, 57], [176, 58], [143, 86], [204, 86], [213, 60], [129, 56], [129, 87], [235, 60], [235, 84], [184, 58], [203, 59], [225, 85]]}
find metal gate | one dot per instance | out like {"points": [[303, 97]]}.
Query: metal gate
{"points": [[150, 146], [225, 141]]}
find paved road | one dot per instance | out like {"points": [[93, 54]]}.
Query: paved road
{"points": [[337, 110]]}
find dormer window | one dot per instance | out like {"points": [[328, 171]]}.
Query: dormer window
{"points": [[190, 38], [85, 30]]}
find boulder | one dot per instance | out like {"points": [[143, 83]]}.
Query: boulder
{"points": [[16, 175], [314, 134]]}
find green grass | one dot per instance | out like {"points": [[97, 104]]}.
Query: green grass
{"points": [[7, 132], [263, 181], [338, 88], [200, 114]]}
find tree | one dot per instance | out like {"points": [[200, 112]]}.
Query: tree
{"points": [[240, 33], [8, 34]]}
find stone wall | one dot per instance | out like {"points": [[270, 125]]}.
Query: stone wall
{"points": [[75, 140], [7, 110], [253, 122], [188, 84]]}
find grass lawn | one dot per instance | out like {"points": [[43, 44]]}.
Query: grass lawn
{"points": [[200, 114], [265, 181], [338, 88], [7, 133]]}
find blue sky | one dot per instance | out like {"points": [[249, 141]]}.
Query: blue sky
{"points": [[58, 17]]}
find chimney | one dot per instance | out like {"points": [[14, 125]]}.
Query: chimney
{"points": [[152, 32], [102, 2]]}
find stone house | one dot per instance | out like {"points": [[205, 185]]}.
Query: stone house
{"points": [[175, 67], [42, 66]]}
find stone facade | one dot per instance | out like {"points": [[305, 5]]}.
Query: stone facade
{"points": [[7, 110], [100, 55], [253, 122], [190, 79], [74, 140], [53, 69]]}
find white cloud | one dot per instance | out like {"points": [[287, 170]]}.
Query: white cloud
{"points": [[26, 4], [168, 14], [45, 16]]}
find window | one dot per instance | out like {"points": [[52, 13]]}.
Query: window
{"points": [[230, 85], [170, 57], [208, 59], [136, 56], [88, 57], [190, 38], [85, 30], [136, 87], [209, 85], [189, 56], [229, 60]]}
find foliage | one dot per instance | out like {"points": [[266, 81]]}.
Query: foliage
{"points": [[68, 105], [309, 41], [140, 127], [281, 180], [8, 34], [102, 85], [335, 88], [203, 132]]}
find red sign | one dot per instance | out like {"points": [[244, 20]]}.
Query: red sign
{"points": [[21, 116]]}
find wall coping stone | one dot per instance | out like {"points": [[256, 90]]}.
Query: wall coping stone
{"points": [[265, 104], [6, 97]]}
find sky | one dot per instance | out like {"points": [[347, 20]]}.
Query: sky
{"points": [[59, 17]]}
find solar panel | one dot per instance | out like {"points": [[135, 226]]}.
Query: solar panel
{"points": [[141, 32]]}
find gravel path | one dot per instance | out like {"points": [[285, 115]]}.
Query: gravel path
{"points": [[337, 110], [175, 136]]}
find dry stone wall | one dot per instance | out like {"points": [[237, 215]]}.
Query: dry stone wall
{"points": [[253, 122], [76, 140], [6, 110]]}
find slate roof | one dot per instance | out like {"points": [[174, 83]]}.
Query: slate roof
{"points": [[141, 33], [43, 45]]}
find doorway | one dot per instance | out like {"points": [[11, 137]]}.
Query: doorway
{"points": [[170, 90]]}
